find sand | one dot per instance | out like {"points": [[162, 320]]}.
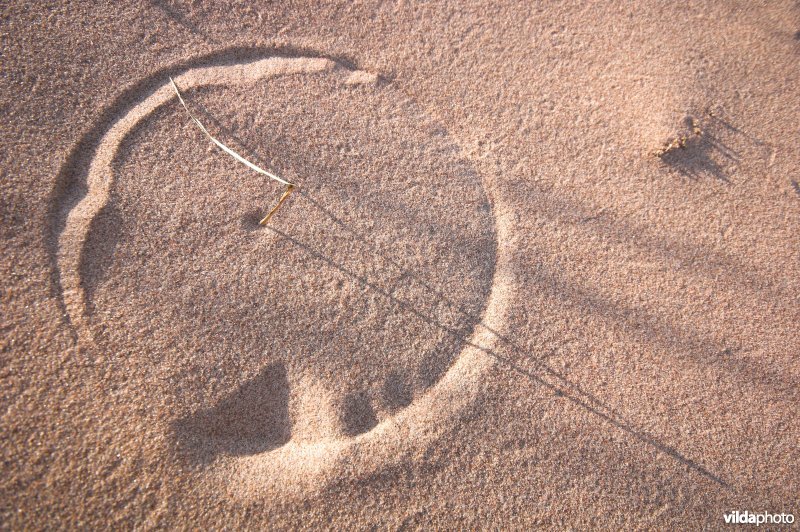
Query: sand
{"points": [[488, 304]]}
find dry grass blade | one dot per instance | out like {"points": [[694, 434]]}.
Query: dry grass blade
{"points": [[289, 189], [289, 186]]}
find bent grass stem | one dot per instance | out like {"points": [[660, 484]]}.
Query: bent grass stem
{"points": [[289, 186]]}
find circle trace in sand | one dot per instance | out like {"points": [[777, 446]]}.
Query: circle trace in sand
{"points": [[335, 341]]}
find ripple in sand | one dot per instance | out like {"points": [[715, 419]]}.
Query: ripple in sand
{"points": [[361, 301]]}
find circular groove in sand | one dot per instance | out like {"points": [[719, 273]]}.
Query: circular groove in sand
{"points": [[295, 466]]}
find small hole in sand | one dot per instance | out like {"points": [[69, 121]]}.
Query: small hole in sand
{"points": [[397, 391], [253, 419], [358, 416], [250, 220]]}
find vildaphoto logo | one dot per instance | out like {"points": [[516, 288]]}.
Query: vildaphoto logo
{"points": [[749, 518]]}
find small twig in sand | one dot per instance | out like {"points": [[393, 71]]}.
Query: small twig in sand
{"points": [[289, 189], [674, 144], [289, 186], [679, 142]]}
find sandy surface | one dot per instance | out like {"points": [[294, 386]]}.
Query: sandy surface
{"points": [[487, 305]]}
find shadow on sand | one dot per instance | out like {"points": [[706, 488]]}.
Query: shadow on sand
{"points": [[542, 374]]}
